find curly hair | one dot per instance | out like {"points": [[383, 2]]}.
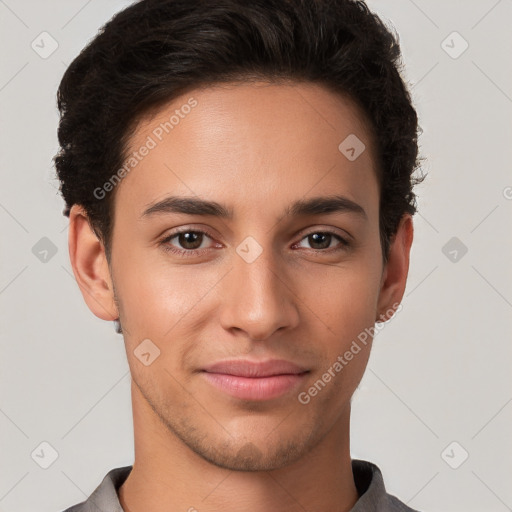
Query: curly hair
{"points": [[155, 50]]}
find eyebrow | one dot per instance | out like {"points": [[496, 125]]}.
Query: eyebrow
{"points": [[196, 206]]}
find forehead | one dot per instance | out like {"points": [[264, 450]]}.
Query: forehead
{"points": [[244, 145]]}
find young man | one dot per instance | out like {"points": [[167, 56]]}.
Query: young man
{"points": [[238, 178]]}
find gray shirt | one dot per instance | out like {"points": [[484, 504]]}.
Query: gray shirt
{"points": [[367, 476]]}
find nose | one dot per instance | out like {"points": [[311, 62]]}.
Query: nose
{"points": [[257, 297]]}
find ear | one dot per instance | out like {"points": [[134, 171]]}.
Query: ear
{"points": [[394, 275], [90, 266]]}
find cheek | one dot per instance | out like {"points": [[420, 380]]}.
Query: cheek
{"points": [[159, 297], [346, 304], [345, 296]]}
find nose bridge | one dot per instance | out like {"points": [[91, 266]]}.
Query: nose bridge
{"points": [[256, 299]]}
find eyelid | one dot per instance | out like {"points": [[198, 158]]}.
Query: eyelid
{"points": [[188, 229], [326, 229]]}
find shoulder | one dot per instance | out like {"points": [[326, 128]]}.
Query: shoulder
{"points": [[373, 496], [393, 504], [104, 498]]}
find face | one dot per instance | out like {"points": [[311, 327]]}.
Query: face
{"points": [[275, 277]]}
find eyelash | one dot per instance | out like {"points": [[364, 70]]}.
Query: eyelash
{"points": [[186, 253]]}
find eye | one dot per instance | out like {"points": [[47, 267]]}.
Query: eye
{"points": [[321, 240], [191, 241]]}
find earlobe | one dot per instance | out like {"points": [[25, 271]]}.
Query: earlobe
{"points": [[394, 277], [90, 266]]}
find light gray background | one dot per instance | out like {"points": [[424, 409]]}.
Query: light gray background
{"points": [[439, 371]]}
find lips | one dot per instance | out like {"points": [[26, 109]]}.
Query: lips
{"points": [[255, 369], [255, 380]]}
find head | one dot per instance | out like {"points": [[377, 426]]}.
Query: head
{"points": [[262, 111]]}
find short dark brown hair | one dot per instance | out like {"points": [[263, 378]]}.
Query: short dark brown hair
{"points": [[155, 50]]}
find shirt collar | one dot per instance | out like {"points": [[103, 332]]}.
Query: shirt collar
{"points": [[367, 477]]}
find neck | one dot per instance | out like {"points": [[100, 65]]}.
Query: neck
{"points": [[168, 476]]}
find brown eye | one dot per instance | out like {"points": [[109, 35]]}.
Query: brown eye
{"points": [[188, 242], [322, 240], [190, 239]]}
